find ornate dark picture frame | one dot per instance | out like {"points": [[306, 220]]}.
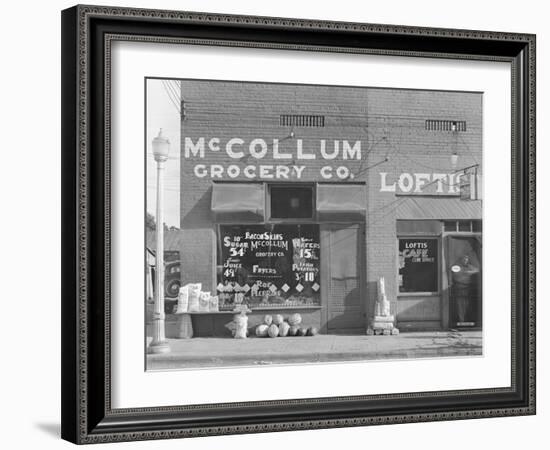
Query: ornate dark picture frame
{"points": [[87, 34]]}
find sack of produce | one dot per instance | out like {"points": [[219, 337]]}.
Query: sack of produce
{"points": [[273, 330], [214, 304], [268, 319], [204, 301], [194, 290], [283, 329], [295, 319], [183, 300], [261, 330], [241, 326], [278, 319]]}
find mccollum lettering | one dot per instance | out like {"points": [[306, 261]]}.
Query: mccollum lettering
{"points": [[237, 148]]}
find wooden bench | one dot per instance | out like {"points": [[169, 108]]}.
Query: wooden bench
{"points": [[184, 323]]}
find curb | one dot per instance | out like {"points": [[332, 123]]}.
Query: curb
{"points": [[181, 361]]}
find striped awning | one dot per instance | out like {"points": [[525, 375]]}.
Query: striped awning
{"points": [[438, 207]]}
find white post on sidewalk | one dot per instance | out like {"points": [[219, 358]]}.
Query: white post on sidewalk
{"points": [[159, 344]]}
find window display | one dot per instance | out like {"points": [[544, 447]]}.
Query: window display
{"points": [[263, 265]]}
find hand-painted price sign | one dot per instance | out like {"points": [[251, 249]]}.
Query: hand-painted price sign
{"points": [[270, 263]]}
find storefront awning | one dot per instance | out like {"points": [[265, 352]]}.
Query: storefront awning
{"points": [[243, 201], [341, 199], [439, 208]]}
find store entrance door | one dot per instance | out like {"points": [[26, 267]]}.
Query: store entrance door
{"points": [[464, 275], [344, 263]]}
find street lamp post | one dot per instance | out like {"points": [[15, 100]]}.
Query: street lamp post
{"points": [[159, 344]]}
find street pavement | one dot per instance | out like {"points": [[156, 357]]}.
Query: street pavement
{"points": [[217, 352]]}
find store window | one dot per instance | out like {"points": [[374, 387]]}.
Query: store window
{"points": [[476, 226], [291, 202], [462, 226], [418, 265], [268, 265], [450, 225]]}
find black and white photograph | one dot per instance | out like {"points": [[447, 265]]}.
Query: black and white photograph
{"points": [[275, 225], [305, 223]]}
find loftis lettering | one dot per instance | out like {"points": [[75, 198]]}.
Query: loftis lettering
{"points": [[414, 183]]}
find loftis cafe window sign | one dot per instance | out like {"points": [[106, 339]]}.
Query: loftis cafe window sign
{"points": [[293, 163]]}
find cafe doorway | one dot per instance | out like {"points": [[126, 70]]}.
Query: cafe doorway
{"points": [[464, 271]]}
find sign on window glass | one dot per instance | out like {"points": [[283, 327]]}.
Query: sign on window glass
{"points": [[262, 265], [418, 265]]}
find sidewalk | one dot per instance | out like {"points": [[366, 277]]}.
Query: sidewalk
{"points": [[218, 352]]}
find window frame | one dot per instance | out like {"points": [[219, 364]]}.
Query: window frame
{"points": [[273, 220], [457, 226]]}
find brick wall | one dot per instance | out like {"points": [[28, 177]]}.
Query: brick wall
{"points": [[396, 122], [389, 123]]}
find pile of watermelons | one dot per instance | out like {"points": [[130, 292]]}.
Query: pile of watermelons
{"points": [[277, 326]]}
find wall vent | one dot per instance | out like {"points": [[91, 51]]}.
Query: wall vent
{"points": [[301, 120], [445, 125]]}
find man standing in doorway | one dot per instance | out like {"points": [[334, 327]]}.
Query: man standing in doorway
{"points": [[464, 277]]}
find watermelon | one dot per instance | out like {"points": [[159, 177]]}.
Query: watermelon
{"points": [[283, 329], [261, 330], [268, 319], [278, 319], [293, 330], [295, 319], [273, 331], [312, 331]]}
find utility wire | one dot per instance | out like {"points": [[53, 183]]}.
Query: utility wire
{"points": [[174, 99]]}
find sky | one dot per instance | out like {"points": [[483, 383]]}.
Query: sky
{"points": [[162, 113]]}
